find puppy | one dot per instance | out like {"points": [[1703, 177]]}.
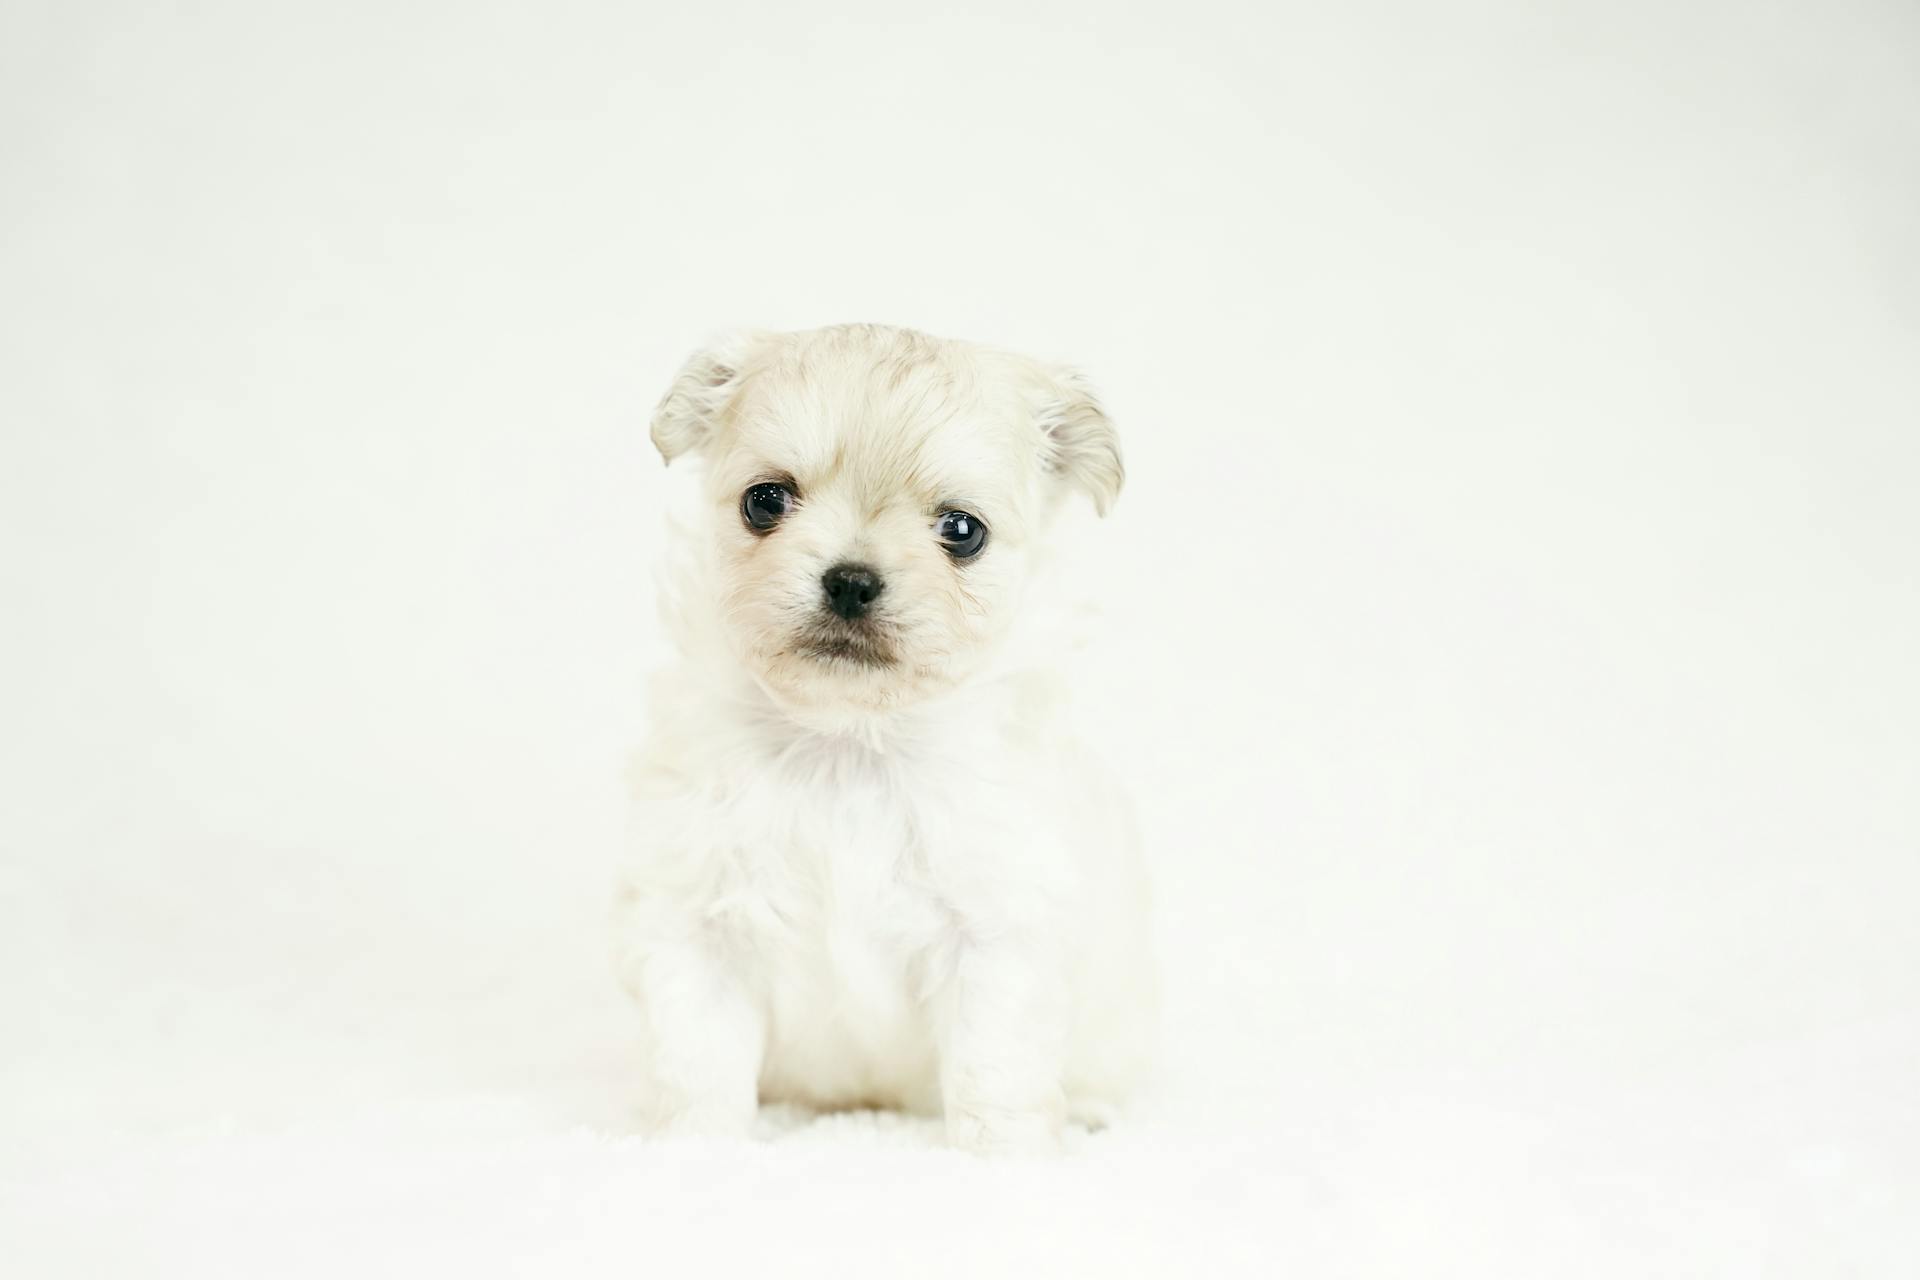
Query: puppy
{"points": [[872, 867]]}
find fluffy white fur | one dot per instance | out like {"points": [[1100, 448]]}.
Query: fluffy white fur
{"points": [[901, 885]]}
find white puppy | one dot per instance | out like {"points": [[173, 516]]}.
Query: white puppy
{"points": [[872, 865]]}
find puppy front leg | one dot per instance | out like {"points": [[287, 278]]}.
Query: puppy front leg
{"points": [[702, 1037], [1003, 1041]]}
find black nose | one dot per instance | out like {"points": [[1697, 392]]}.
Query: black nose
{"points": [[850, 589]]}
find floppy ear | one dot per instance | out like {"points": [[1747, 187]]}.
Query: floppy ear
{"points": [[1082, 447], [685, 416]]}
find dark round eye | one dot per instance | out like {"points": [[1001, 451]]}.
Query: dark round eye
{"points": [[963, 535], [763, 506]]}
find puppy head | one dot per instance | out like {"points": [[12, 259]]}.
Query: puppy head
{"points": [[875, 499]]}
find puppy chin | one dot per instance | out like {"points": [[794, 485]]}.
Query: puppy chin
{"points": [[832, 642], [836, 677]]}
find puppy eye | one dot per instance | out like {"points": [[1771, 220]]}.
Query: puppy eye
{"points": [[961, 534], [764, 505]]}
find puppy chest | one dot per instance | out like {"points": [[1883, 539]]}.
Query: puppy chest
{"points": [[846, 968], [857, 912]]}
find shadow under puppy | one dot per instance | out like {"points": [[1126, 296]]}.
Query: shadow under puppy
{"points": [[872, 866]]}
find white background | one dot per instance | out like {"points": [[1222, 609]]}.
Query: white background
{"points": [[1513, 620]]}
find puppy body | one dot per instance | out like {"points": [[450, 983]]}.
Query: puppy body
{"points": [[871, 863]]}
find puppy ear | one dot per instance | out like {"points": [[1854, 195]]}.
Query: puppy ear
{"points": [[1082, 447], [686, 415]]}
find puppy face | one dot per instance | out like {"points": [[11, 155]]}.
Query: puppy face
{"points": [[874, 499]]}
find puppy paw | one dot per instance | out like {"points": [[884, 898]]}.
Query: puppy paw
{"points": [[696, 1118], [1003, 1132]]}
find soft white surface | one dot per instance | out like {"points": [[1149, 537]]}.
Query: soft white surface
{"points": [[1513, 617]]}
